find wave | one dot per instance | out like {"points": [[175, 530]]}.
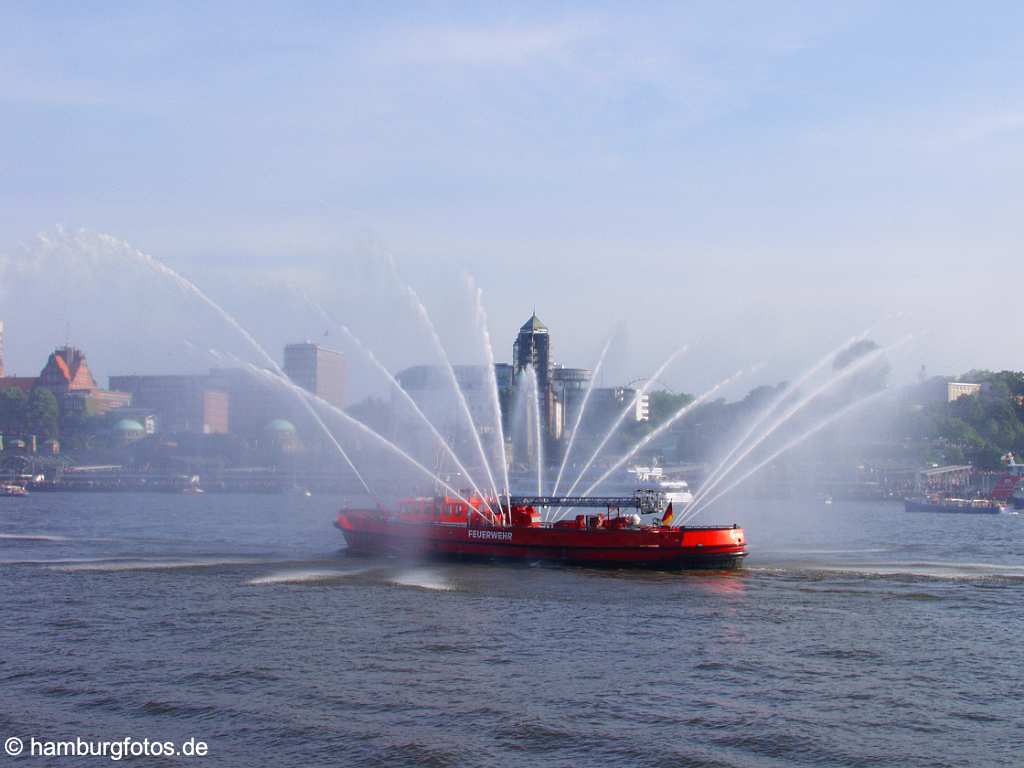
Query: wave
{"points": [[53, 561], [867, 551], [153, 564], [305, 577], [32, 537], [932, 569], [421, 578]]}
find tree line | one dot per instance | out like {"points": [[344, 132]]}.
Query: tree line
{"points": [[976, 429], [36, 413]]}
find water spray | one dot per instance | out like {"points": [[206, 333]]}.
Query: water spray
{"points": [[770, 408], [368, 431], [661, 429], [579, 416], [424, 315], [838, 377], [622, 416], [492, 381], [405, 396], [531, 376], [183, 282], [842, 412]]}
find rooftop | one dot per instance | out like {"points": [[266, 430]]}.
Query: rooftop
{"points": [[534, 325]]}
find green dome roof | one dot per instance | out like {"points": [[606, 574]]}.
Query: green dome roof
{"points": [[280, 425], [128, 425]]}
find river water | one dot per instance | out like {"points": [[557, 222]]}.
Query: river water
{"points": [[857, 635]]}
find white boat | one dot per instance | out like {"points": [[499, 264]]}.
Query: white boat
{"points": [[13, 490], [676, 490]]}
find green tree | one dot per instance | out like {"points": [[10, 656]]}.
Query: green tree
{"points": [[76, 429], [978, 428], [663, 405], [13, 404], [42, 413], [958, 432], [871, 378]]}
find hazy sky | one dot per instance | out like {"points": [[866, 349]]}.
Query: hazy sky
{"points": [[762, 179]]}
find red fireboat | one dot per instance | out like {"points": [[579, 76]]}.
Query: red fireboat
{"points": [[470, 528]]}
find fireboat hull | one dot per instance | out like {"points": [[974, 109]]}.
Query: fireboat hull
{"points": [[705, 547]]}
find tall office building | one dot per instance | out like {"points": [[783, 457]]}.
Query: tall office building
{"points": [[532, 348], [569, 387], [318, 370]]}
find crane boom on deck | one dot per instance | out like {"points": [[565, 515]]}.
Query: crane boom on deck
{"points": [[645, 501]]}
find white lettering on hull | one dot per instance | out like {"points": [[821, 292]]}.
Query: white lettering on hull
{"points": [[476, 533]]}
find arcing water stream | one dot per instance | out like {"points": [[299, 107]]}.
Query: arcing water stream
{"points": [[492, 381], [767, 411], [424, 315], [406, 397], [656, 433], [307, 398], [622, 416], [579, 415], [836, 378], [366, 430], [162, 269], [534, 393], [693, 510]]}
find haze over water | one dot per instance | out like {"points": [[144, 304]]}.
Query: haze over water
{"points": [[867, 637]]}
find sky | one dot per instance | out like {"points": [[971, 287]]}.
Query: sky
{"points": [[759, 180]]}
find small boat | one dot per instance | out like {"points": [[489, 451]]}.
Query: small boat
{"points": [[675, 489], [9, 489], [953, 505], [443, 526]]}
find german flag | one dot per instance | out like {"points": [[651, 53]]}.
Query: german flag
{"points": [[666, 519]]}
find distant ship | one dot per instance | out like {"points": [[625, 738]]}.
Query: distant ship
{"points": [[443, 526], [953, 505], [13, 490], [1003, 494], [1009, 486]]}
